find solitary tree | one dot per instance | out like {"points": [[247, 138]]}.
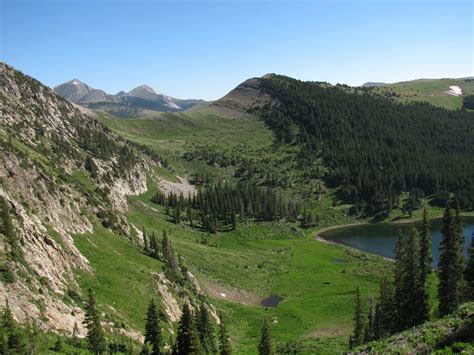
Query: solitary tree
{"points": [[95, 333], [357, 337], [14, 342], [469, 271], [224, 342], [451, 263], [187, 339], [265, 346], [145, 242], [385, 310], [9, 231], [152, 328], [426, 258], [206, 330]]}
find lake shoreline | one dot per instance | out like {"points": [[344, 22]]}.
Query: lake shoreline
{"points": [[318, 233]]}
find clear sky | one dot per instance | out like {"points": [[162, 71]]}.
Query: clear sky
{"points": [[202, 49]]}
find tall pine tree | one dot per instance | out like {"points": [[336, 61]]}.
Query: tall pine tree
{"points": [[224, 341], [146, 247], [469, 271], [13, 341], [187, 339], [206, 330], [152, 328], [357, 337], [451, 263], [9, 231], [265, 346], [385, 310], [95, 333], [426, 258]]}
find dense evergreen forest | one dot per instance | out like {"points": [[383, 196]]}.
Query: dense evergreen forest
{"points": [[217, 206], [375, 148]]}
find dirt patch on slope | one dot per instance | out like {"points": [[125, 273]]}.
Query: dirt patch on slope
{"points": [[182, 187], [329, 331], [229, 293]]}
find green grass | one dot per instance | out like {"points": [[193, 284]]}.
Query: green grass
{"points": [[122, 276], [260, 260], [170, 134], [248, 264], [430, 90]]}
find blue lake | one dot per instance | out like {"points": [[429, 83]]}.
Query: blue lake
{"points": [[380, 239]]}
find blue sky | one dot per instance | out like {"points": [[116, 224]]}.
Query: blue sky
{"points": [[202, 49]]}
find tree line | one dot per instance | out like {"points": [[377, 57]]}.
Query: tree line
{"points": [[403, 300], [220, 206], [375, 149]]}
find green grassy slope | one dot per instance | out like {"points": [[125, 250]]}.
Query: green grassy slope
{"points": [[432, 91], [453, 334], [256, 261], [316, 279]]}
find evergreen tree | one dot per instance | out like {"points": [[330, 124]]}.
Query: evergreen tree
{"points": [[95, 333], [9, 232], [399, 287], [58, 344], [359, 324], [426, 259], [265, 346], [370, 331], [385, 310], [187, 338], [189, 214], [13, 341], [206, 330], [152, 328], [168, 254], [165, 246], [32, 332], [3, 342], [411, 312], [469, 271], [145, 349], [75, 341], [154, 249], [146, 247], [451, 263], [224, 342]]}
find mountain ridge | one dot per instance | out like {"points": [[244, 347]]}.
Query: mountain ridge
{"points": [[133, 103]]}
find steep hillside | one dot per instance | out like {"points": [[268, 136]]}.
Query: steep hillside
{"points": [[58, 168], [64, 181], [451, 334], [418, 147]]}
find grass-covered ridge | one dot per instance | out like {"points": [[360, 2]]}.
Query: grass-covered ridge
{"points": [[451, 334]]}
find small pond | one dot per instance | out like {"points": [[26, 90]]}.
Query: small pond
{"points": [[380, 239], [271, 301]]}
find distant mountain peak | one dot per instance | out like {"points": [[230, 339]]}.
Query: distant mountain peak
{"points": [[126, 104], [148, 88], [75, 82]]}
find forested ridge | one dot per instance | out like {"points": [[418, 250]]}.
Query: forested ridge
{"points": [[375, 148]]}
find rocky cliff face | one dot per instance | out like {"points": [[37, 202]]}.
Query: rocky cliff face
{"points": [[58, 167]]}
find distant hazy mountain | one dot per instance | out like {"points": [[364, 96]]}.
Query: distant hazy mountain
{"points": [[371, 84], [134, 103]]}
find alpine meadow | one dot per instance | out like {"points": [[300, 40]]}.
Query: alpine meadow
{"points": [[270, 213]]}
